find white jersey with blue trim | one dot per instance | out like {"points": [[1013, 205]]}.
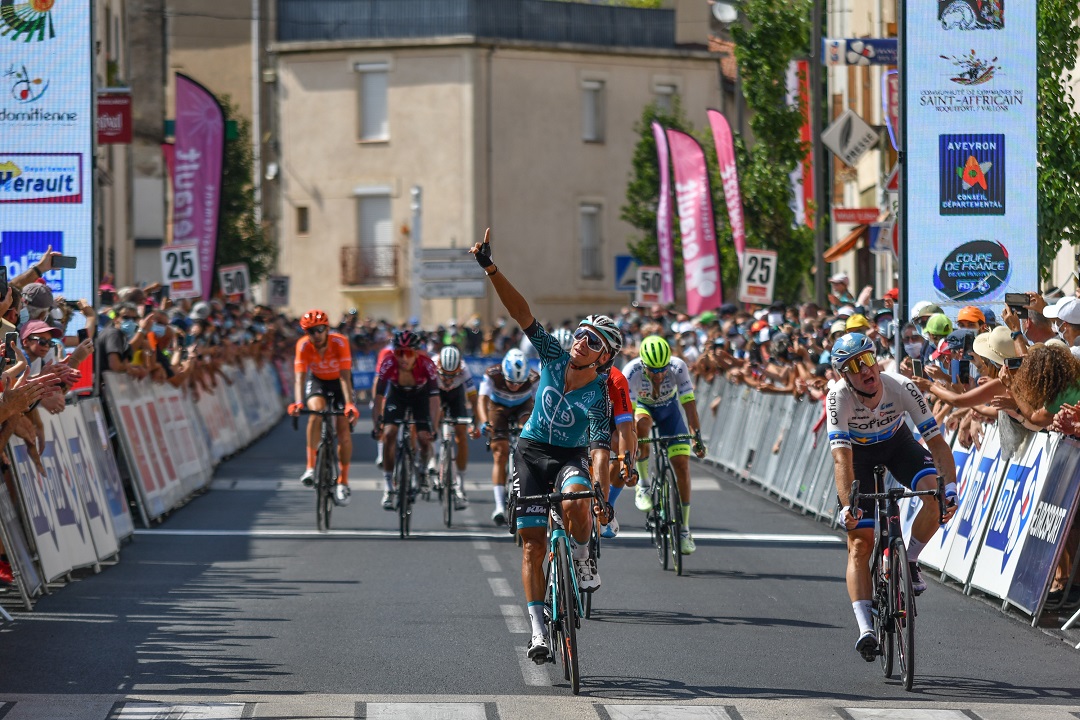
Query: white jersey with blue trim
{"points": [[676, 382], [851, 423]]}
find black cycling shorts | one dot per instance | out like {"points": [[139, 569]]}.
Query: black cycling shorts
{"points": [[540, 468], [501, 415], [903, 456], [398, 399], [329, 389], [453, 402]]}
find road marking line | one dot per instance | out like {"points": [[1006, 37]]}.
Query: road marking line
{"points": [[194, 711], [534, 675], [242, 484], [663, 712], [901, 714], [500, 587], [490, 563], [429, 710], [480, 538], [516, 622]]}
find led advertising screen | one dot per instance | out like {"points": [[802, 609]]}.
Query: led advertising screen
{"points": [[970, 175], [46, 126]]}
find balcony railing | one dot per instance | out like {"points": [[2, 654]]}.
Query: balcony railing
{"points": [[536, 20], [369, 265]]}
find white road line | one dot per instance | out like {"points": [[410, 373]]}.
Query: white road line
{"points": [[163, 711], [500, 587], [429, 711], [242, 484], [482, 545], [666, 712], [903, 714], [534, 675], [490, 563], [516, 622]]}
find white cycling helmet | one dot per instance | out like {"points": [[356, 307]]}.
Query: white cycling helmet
{"points": [[514, 366], [450, 359], [565, 338]]}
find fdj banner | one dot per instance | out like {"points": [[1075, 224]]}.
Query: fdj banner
{"points": [[198, 157], [701, 260], [969, 138], [47, 126]]}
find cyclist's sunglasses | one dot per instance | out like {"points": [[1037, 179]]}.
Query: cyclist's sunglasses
{"points": [[404, 352], [656, 371], [317, 330], [591, 339], [857, 363]]}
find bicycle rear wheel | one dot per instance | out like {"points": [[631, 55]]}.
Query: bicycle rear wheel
{"points": [[401, 483], [674, 523], [882, 612], [657, 519], [568, 627], [903, 599], [446, 483], [323, 488], [594, 552]]}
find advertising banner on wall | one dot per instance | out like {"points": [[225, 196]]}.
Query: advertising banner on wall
{"points": [[969, 115], [47, 125]]}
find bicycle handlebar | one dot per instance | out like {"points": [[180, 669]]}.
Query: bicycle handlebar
{"points": [[321, 413], [556, 497], [665, 438], [896, 493], [456, 421]]}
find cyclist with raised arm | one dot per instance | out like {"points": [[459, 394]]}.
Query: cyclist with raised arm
{"points": [[569, 421], [865, 411], [406, 379], [323, 369], [456, 390], [660, 384], [506, 394]]}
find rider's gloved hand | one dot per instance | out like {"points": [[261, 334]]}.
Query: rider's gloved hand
{"points": [[848, 519], [351, 412], [486, 429], [295, 408], [950, 495], [482, 251], [376, 430], [699, 447]]}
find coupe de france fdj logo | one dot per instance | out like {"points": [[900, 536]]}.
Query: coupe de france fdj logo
{"points": [[972, 174], [21, 249], [975, 270], [26, 87], [41, 178], [1014, 508], [973, 511], [971, 14], [27, 20]]}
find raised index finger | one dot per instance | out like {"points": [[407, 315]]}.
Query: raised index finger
{"points": [[487, 236]]}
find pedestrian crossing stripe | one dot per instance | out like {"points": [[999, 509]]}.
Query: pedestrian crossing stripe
{"points": [[192, 711], [667, 712], [427, 710]]}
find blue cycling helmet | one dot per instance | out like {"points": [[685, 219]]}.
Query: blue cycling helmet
{"points": [[514, 366], [847, 347]]}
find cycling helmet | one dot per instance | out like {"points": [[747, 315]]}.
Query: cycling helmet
{"points": [[608, 331], [449, 359], [847, 347], [407, 339], [515, 368], [313, 318], [565, 338], [655, 352]]}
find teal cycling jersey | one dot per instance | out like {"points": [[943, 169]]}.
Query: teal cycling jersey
{"points": [[565, 419]]}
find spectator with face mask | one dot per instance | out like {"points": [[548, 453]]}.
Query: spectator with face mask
{"points": [[113, 343]]}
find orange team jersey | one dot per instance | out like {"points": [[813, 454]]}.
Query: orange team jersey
{"points": [[622, 410], [328, 365]]}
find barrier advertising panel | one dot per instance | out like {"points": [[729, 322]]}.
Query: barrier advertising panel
{"points": [[936, 551], [84, 477], [96, 435], [973, 512]]}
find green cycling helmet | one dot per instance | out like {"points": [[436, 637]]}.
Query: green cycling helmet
{"points": [[655, 352]]}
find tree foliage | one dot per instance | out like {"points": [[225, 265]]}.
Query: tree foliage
{"points": [[1058, 130], [240, 238]]}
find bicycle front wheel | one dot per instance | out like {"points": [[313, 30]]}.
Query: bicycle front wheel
{"points": [[323, 488], [674, 522], [882, 613], [903, 611], [446, 483], [657, 520], [568, 631], [401, 483]]}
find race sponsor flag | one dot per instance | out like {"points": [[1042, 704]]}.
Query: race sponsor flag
{"points": [[693, 198], [663, 219], [199, 152], [729, 176]]}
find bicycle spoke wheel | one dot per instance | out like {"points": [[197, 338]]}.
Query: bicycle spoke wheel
{"points": [[674, 511], [401, 485], [904, 611], [446, 484], [568, 646], [882, 611], [658, 521], [322, 485]]}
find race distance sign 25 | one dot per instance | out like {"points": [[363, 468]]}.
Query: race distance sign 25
{"points": [[180, 270], [758, 276]]}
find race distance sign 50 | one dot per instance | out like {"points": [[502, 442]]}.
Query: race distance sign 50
{"points": [[970, 228]]}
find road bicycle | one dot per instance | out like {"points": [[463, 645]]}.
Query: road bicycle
{"points": [[894, 601], [563, 599], [447, 455], [326, 474], [664, 521], [407, 473], [513, 431]]}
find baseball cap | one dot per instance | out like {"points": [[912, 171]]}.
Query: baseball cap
{"points": [[996, 345], [893, 294], [971, 314], [857, 321], [938, 324], [846, 311], [1067, 309], [840, 277], [959, 339], [838, 327], [37, 295], [924, 308], [942, 348], [35, 327], [200, 311]]}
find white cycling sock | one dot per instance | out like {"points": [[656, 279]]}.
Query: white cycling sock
{"points": [[914, 549], [500, 496], [459, 478], [536, 616], [581, 552], [378, 453], [863, 614], [388, 478]]}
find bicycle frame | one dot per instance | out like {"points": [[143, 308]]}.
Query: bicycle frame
{"points": [[326, 452]]}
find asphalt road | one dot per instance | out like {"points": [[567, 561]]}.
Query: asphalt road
{"points": [[235, 607]]}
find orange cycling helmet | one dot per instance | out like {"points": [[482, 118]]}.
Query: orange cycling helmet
{"points": [[313, 318]]}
